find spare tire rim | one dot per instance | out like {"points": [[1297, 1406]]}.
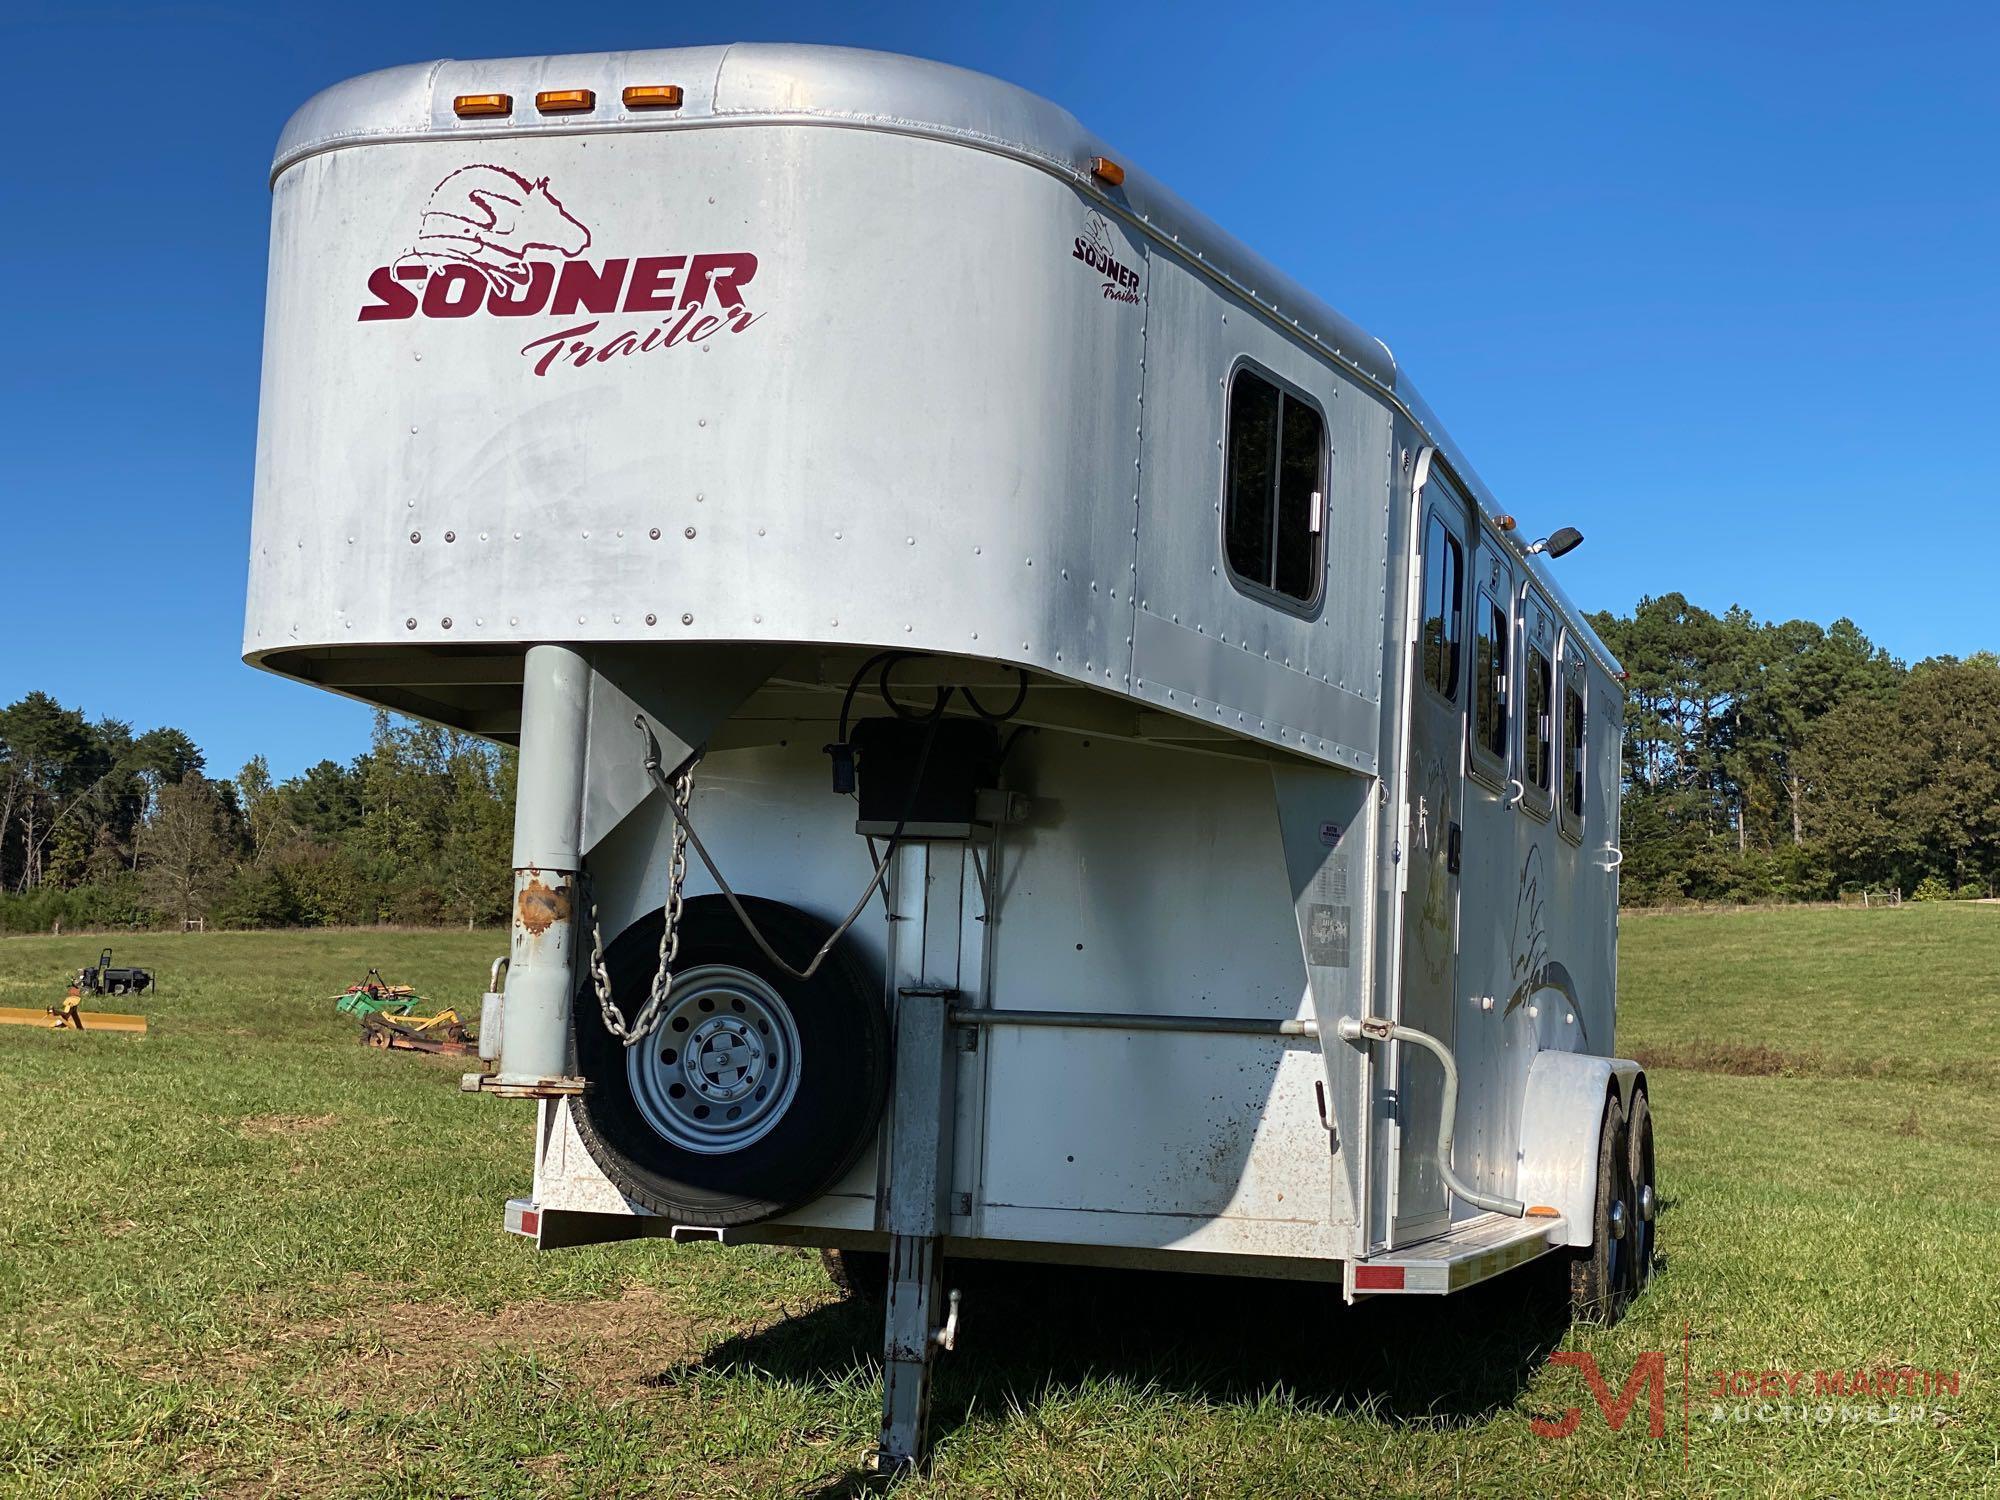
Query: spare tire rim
{"points": [[723, 1067]]}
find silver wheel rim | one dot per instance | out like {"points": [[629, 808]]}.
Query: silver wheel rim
{"points": [[722, 1068]]}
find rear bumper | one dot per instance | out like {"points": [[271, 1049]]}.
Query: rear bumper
{"points": [[1470, 1251]]}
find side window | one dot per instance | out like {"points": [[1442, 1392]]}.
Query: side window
{"points": [[1489, 679], [1444, 608], [1574, 738], [1537, 731], [1273, 489]]}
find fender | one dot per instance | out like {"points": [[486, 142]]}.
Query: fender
{"points": [[1562, 1119]]}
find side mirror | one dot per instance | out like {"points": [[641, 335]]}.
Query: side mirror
{"points": [[1566, 539]]}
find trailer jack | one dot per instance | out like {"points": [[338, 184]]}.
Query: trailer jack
{"points": [[926, 890], [1375, 1029]]}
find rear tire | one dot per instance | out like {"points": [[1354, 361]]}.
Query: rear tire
{"points": [[757, 1093], [1600, 1278], [1644, 1208]]}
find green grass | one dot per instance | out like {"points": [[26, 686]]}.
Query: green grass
{"points": [[243, 1255]]}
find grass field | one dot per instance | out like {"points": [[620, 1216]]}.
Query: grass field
{"points": [[244, 1256]]}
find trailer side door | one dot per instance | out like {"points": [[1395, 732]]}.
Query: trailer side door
{"points": [[1432, 845]]}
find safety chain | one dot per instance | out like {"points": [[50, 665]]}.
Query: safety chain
{"points": [[650, 1013]]}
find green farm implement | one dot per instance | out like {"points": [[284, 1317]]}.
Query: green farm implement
{"points": [[389, 1016]]}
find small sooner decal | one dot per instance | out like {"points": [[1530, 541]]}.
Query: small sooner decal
{"points": [[492, 243], [1093, 248]]}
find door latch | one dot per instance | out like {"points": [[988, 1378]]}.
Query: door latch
{"points": [[1453, 847]]}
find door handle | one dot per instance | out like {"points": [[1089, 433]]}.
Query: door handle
{"points": [[1515, 792], [1453, 847]]}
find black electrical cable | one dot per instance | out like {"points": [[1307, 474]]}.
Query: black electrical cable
{"points": [[860, 675], [1020, 701], [883, 665], [885, 662], [1007, 745], [659, 779], [889, 697]]}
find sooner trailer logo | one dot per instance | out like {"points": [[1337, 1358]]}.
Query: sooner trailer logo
{"points": [[491, 243], [1094, 248]]}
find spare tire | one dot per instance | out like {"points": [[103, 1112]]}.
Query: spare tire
{"points": [[757, 1092]]}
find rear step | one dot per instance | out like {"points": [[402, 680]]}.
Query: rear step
{"points": [[1471, 1250]]}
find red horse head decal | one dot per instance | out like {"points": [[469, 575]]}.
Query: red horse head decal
{"points": [[490, 218]]}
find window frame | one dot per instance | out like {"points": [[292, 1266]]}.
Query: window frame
{"points": [[1486, 763], [1437, 521], [1307, 608], [1538, 801], [1571, 672], [1492, 590]]}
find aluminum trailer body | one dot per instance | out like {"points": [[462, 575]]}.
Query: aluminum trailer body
{"points": [[655, 396]]}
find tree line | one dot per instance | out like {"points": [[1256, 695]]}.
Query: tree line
{"points": [[1762, 761], [101, 827], [1796, 761]]}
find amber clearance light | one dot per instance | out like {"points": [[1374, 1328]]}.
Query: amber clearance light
{"points": [[653, 96], [1106, 171], [472, 106], [565, 101]]}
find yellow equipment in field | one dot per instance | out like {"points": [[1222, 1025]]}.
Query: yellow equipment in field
{"points": [[388, 1014], [70, 1014], [443, 1032]]}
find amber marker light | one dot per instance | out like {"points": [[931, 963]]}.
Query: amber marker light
{"points": [[1106, 171], [473, 106], [653, 96], [565, 101]]}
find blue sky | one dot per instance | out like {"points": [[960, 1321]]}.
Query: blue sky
{"points": [[1715, 284]]}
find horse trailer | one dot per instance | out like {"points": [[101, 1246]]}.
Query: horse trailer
{"points": [[1034, 744]]}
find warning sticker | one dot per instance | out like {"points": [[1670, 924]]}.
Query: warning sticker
{"points": [[1327, 930]]}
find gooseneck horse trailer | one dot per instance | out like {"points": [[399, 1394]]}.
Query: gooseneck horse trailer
{"points": [[1034, 744]]}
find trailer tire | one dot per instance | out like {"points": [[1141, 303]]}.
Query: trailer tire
{"points": [[1600, 1280], [757, 1093], [1645, 1203]]}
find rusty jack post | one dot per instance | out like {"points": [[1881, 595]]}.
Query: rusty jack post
{"points": [[548, 861]]}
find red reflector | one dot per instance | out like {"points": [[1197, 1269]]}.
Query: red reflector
{"points": [[531, 1223], [1378, 1278]]}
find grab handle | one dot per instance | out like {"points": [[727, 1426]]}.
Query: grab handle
{"points": [[1375, 1030]]}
